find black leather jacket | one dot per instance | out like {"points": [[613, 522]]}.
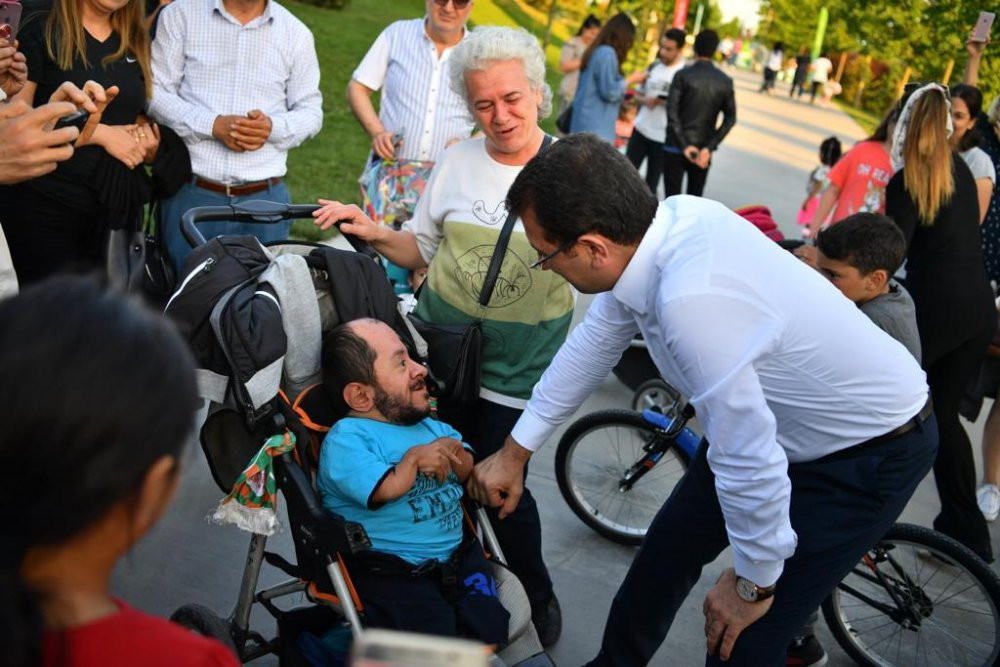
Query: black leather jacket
{"points": [[697, 95]]}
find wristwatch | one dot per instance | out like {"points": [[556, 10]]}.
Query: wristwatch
{"points": [[751, 592]]}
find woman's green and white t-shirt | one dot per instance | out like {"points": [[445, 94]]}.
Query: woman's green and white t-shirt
{"points": [[457, 223]]}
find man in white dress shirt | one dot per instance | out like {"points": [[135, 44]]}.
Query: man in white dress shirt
{"points": [[238, 80], [409, 64], [817, 423]]}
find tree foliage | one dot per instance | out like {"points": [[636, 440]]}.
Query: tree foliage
{"points": [[883, 39]]}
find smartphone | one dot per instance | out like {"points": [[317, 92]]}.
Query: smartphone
{"points": [[76, 119], [981, 32], [10, 19]]}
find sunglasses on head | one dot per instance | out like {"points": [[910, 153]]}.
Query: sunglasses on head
{"points": [[457, 4]]}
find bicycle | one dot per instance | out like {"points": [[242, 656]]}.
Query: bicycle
{"points": [[916, 597]]}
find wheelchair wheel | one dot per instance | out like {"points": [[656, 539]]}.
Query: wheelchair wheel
{"points": [[592, 460], [917, 598], [656, 394], [203, 621]]}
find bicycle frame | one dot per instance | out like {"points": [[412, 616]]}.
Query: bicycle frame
{"points": [[667, 431]]}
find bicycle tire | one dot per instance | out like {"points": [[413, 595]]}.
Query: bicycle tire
{"points": [[956, 593], [656, 393], [586, 484]]}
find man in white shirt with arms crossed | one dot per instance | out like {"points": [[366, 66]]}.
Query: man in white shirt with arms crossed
{"points": [[819, 423]]}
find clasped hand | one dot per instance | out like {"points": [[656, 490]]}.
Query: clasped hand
{"points": [[438, 458]]}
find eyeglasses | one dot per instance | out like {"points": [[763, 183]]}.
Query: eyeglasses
{"points": [[457, 4], [545, 258]]}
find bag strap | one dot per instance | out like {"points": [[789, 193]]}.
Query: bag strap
{"points": [[501, 248]]}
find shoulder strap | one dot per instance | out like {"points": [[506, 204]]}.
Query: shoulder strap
{"points": [[501, 248]]}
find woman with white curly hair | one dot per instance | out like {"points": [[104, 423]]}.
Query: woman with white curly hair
{"points": [[501, 74]]}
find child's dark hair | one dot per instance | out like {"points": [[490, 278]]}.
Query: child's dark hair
{"points": [[95, 389], [866, 241], [830, 151]]}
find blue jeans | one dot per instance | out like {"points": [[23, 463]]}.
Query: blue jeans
{"points": [[191, 196], [841, 505]]}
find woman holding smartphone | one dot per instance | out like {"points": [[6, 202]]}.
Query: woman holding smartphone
{"points": [[59, 221]]}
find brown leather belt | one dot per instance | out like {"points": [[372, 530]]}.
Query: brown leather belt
{"points": [[910, 424], [238, 190]]}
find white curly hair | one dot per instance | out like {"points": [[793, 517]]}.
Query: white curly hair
{"points": [[489, 44]]}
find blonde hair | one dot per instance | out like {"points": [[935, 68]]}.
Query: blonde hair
{"points": [[927, 174], [65, 39]]}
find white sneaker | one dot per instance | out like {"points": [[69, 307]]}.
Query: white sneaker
{"points": [[988, 499]]}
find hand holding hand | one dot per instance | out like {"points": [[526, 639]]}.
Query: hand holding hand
{"points": [[148, 137], [704, 158], [383, 146], [121, 142], [252, 132], [222, 131], [498, 480], [727, 615], [435, 459], [13, 69]]}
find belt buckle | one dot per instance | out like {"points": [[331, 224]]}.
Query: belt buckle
{"points": [[229, 188]]}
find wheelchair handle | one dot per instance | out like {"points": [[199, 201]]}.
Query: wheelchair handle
{"points": [[256, 212]]}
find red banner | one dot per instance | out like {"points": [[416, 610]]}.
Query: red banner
{"points": [[681, 13]]}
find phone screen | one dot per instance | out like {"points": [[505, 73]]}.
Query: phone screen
{"points": [[982, 30], [10, 19]]}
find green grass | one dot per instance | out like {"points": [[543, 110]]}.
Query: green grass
{"points": [[328, 165], [865, 119]]}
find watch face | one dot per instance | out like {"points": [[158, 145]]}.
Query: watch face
{"points": [[746, 589]]}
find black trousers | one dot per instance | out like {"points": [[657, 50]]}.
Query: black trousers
{"points": [[955, 467], [675, 166], [641, 148], [47, 237], [840, 506], [485, 427]]}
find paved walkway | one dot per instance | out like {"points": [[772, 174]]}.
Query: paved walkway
{"points": [[766, 159]]}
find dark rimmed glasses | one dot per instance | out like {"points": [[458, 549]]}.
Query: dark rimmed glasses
{"points": [[457, 4], [562, 248]]}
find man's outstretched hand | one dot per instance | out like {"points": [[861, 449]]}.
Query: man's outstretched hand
{"points": [[498, 480]]}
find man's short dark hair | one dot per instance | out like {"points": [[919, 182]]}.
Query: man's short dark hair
{"points": [[706, 43], [866, 241], [582, 184], [677, 36], [346, 358]]}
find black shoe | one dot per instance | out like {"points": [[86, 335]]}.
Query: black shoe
{"points": [[548, 621], [805, 651]]}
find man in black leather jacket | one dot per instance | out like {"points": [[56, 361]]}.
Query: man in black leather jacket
{"points": [[698, 93]]}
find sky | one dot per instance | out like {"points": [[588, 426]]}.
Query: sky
{"points": [[746, 10]]}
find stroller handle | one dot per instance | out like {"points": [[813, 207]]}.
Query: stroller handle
{"points": [[257, 212]]}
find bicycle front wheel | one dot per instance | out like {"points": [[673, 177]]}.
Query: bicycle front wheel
{"points": [[591, 461], [917, 598]]}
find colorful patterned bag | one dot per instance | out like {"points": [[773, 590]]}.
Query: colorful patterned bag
{"points": [[390, 189]]}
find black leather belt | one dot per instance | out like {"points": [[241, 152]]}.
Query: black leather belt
{"points": [[235, 190], [910, 424]]}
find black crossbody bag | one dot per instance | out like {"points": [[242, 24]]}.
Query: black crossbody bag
{"points": [[454, 351]]}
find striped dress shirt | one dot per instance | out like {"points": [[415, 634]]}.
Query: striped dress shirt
{"points": [[417, 99], [206, 64]]}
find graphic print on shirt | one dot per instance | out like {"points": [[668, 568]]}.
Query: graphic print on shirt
{"points": [[429, 500], [514, 279], [487, 216]]}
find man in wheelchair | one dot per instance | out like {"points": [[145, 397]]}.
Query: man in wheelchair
{"points": [[390, 467]]}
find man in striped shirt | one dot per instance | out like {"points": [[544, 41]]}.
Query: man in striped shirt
{"points": [[238, 80], [409, 63]]}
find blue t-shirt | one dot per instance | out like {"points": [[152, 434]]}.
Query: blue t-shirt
{"points": [[357, 453]]}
